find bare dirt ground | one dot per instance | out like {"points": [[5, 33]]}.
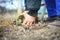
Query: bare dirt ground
{"points": [[13, 32], [38, 31]]}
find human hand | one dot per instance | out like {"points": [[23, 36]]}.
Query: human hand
{"points": [[29, 20]]}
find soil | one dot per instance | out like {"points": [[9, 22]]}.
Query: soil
{"points": [[38, 31], [35, 32]]}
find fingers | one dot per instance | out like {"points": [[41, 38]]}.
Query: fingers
{"points": [[24, 22], [30, 24], [27, 23]]}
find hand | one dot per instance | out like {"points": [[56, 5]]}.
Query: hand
{"points": [[29, 20]]}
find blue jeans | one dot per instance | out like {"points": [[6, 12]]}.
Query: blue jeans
{"points": [[53, 7], [32, 4]]}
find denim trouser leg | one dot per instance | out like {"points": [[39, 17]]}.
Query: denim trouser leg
{"points": [[58, 7], [51, 7], [33, 6]]}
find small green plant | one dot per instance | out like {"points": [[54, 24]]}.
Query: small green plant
{"points": [[20, 18]]}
